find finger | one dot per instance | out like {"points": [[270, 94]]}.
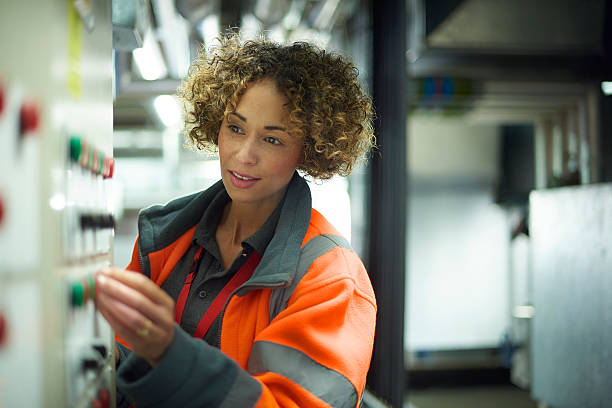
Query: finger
{"points": [[117, 313], [146, 339], [128, 323], [141, 283], [132, 298]]}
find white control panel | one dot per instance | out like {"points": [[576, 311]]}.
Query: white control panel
{"points": [[56, 189]]}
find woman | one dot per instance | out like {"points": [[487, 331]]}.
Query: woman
{"points": [[284, 306]]}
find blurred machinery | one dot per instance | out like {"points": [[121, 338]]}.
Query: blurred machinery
{"points": [[56, 221], [534, 71]]}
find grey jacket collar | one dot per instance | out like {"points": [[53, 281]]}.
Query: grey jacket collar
{"points": [[159, 226]]}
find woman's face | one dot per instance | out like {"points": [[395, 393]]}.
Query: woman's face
{"points": [[258, 157]]}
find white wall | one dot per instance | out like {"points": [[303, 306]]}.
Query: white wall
{"points": [[457, 251], [457, 277]]}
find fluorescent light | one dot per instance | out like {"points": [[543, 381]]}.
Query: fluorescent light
{"points": [[149, 59], [209, 29], [167, 109], [606, 87], [294, 15], [250, 27], [173, 33], [524, 312], [324, 18], [277, 34], [57, 202], [316, 37]]}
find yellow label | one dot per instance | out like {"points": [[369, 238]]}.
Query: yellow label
{"points": [[75, 47]]}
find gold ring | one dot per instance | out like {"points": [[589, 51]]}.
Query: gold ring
{"points": [[145, 330]]}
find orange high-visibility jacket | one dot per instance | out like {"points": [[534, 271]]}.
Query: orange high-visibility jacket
{"points": [[298, 333]]}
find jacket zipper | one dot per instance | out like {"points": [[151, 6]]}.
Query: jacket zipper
{"points": [[142, 265]]}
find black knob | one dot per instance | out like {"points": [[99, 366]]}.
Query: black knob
{"points": [[98, 221], [86, 221], [90, 364], [101, 349], [111, 221]]}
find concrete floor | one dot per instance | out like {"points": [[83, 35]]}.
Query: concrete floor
{"points": [[494, 396]]}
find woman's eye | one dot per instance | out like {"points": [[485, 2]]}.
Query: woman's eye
{"points": [[234, 128], [272, 140]]}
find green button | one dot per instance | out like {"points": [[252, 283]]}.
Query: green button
{"points": [[100, 162], [78, 294], [75, 148]]}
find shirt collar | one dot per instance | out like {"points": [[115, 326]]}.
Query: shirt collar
{"points": [[205, 232]]}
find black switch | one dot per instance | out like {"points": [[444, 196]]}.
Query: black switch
{"points": [[101, 349], [111, 221], [97, 221], [86, 221], [90, 364]]}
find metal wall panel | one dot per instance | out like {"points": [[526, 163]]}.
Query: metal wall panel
{"points": [[571, 233]]}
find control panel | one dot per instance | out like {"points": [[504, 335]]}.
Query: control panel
{"points": [[87, 230], [56, 202]]}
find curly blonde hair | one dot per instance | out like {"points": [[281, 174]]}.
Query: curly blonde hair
{"points": [[327, 106]]}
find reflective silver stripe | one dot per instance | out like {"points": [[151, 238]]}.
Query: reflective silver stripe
{"points": [[244, 392], [328, 385], [317, 246]]}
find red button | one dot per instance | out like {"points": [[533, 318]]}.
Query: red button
{"points": [[29, 117], [3, 330], [1, 210], [95, 164], [104, 397], [105, 167], [2, 97], [96, 404], [111, 167]]}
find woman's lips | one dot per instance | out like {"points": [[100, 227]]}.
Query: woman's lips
{"points": [[241, 180]]}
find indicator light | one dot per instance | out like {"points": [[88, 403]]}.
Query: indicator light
{"points": [[29, 117]]}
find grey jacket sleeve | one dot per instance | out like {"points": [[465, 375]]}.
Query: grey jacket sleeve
{"points": [[191, 373], [124, 353]]}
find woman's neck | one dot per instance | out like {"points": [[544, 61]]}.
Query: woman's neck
{"points": [[240, 220]]}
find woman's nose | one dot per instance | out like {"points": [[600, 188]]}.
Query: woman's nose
{"points": [[247, 151]]}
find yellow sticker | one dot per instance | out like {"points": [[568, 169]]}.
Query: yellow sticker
{"points": [[75, 46]]}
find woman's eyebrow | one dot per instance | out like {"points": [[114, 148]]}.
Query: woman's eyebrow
{"points": [[269, 127], [274, 128], [242, 118]]}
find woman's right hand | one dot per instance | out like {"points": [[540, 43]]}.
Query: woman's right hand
{"points": [[137, 310]]}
